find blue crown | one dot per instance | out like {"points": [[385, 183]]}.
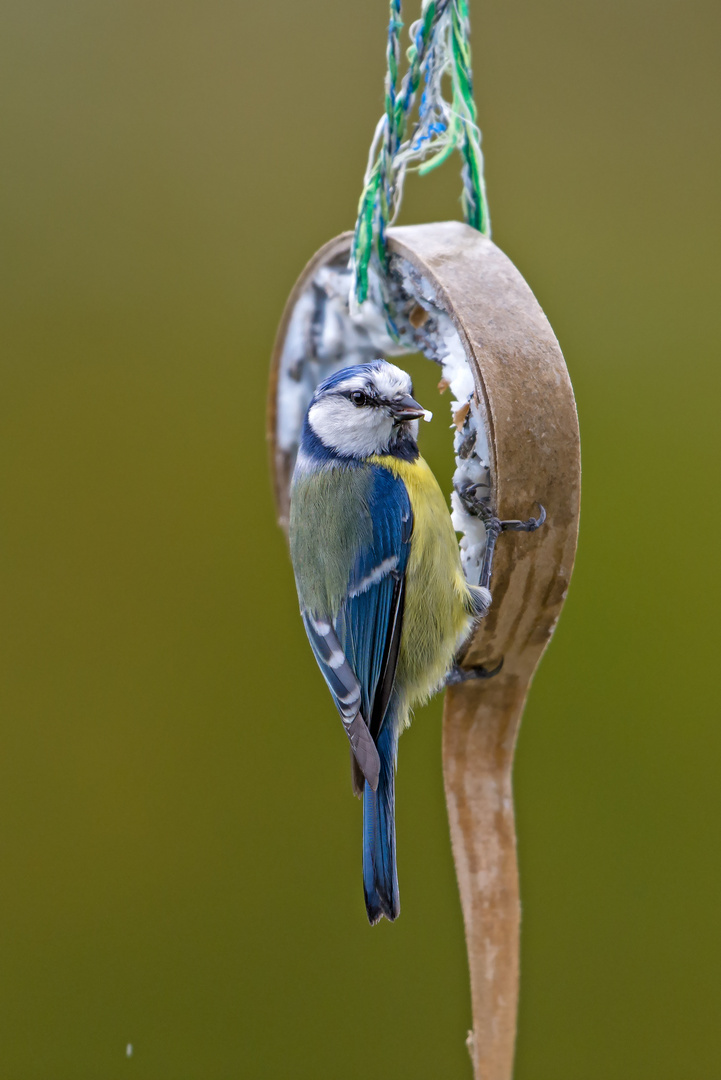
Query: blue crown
{"points": [[348, 373]]}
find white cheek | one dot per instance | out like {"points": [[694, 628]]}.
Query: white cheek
{"points": [[343, 427]]}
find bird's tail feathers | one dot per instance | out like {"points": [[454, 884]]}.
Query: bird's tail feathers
{"points": [[380, 878]]}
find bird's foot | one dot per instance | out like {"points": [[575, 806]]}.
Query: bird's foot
{"points": [[457, 674], [480, 507]]}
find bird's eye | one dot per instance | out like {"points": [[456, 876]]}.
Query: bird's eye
{"points": [[358, 397]]}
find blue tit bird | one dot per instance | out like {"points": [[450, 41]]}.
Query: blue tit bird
{"points": [[382, 593]]}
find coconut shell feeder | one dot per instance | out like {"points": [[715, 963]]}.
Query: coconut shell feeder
{"points": [[446, 290]]}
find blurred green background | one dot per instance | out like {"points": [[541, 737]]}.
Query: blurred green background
{"points": [[180, 850]]}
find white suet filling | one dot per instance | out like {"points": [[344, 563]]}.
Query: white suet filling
{"points": [[323, 337]]}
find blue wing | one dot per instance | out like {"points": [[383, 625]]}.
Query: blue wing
{"points": [[346, 691], [357, 650], [370, 621]]}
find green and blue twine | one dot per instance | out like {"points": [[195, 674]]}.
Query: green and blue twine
{"points": [[439, 47]]}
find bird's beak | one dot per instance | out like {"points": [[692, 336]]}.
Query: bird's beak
{"points": [[406, 408]]}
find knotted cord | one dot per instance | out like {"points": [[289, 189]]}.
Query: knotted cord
{"points": [[439, 47]]}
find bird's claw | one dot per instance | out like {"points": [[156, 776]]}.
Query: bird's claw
{"points": [[525, 526], [458, 675], [480, 508]]}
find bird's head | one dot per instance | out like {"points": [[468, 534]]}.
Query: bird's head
{"points": [[366, 409]]}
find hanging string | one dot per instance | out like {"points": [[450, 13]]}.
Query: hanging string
{"points": [[439, 47]]}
